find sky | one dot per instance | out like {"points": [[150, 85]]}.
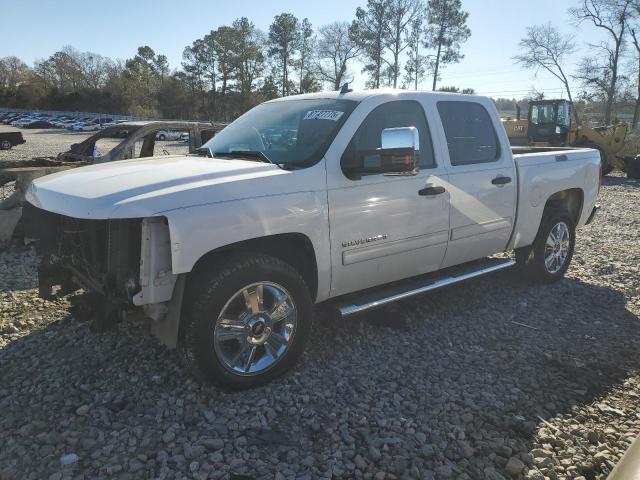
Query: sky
{"points": [[34, 29]]}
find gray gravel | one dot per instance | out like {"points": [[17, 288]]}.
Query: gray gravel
{"points": [[433, 388]]}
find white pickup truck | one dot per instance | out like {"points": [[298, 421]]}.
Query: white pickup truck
{"points": [[353, 199]]}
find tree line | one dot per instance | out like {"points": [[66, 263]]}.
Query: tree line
{"points": [[400, 43], [609, 76]]}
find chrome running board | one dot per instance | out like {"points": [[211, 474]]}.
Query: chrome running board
{"points": [[373, 298]]}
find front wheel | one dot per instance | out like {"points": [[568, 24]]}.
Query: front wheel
{"points": [[247, 322], [549, 257]]}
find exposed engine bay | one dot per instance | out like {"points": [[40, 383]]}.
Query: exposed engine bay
{"points": [[119, 264]]}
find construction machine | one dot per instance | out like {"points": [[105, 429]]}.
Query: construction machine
{"points": [[550, 123]]}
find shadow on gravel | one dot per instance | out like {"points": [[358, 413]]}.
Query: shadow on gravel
{"points": [[445, 383]]}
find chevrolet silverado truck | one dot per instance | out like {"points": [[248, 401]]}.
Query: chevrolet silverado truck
{"points": [[349, 199]]}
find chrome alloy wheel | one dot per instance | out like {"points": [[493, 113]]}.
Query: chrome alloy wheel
{"points": [[255, 328], [556, 249]]}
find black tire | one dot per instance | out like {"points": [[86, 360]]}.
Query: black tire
{"points": [[633, 168], [5, 145], [211, 290], [531, 260], [161, 137]]}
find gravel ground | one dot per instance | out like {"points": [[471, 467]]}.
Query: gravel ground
{"points": [[431, 388]]}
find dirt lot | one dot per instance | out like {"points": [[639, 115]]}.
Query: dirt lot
{"points": [[515, 381]]}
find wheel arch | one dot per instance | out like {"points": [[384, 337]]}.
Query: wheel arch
{"points": [[295, 249], [571, 199]]}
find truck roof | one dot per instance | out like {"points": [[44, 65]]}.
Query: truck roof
{"points": [[359, 95]]}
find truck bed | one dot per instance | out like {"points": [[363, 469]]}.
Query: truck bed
{"points": [[527, 150], [543, 172]]}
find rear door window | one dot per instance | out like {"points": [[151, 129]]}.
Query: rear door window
{"points": [[469, 131]]}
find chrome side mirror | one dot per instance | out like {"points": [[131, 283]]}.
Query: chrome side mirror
{"points": [[402, 137], [397, 155], [398, 152]]}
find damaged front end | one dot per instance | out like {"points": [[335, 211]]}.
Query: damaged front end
{"points": [[120, 264]]}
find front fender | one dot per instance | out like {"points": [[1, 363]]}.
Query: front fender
{"points": [[196, 231]]}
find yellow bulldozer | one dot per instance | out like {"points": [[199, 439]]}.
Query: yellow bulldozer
{"points": [[550, 123]]}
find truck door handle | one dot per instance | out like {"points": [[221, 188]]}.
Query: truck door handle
{"points": [[430, 191], [501, 180]]}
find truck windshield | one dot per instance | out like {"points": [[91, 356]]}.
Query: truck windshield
{"points": [[293, 133]]}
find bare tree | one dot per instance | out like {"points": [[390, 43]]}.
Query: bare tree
{"points": [[284, 35], [417, 63], [306, 50], [446, 30], [371, 31], [336, 49], [545, 48], [13, 72], [613, 17], [248, 58], [402, 13]]}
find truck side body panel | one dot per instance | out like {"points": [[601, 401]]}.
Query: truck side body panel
{"points": [[541, 175]]}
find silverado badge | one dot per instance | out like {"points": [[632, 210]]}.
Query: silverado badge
{"points": [[363, 241]]}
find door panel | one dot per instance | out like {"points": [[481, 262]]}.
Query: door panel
{"points": [[481, 214], [482, 182], [382, 230]]}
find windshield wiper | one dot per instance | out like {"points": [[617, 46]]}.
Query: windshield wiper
{"points": [[258, 155]]}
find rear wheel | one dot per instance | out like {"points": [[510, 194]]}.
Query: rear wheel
{"points": [[549, 257], [5, 145], [248, 321], [161, 137]]}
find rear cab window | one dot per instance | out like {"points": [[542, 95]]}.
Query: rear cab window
{"points": [[471, 137]]}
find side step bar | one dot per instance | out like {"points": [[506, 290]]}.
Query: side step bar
{"points": [[377, 298]]}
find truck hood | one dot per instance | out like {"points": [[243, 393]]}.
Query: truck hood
{"points": [[149, 186]]}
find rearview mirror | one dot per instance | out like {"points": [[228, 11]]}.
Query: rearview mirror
{"points": [[397, 155]]}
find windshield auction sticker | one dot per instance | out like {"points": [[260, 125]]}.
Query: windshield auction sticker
{"points": [[333, 115]]}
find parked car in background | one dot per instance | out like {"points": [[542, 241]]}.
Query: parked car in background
{"points": [[92, 126], [69, 123], [113, 123], [78, 123], [168, 135], [184, 137], [39, 124], [60, 121], [20, 121]]}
